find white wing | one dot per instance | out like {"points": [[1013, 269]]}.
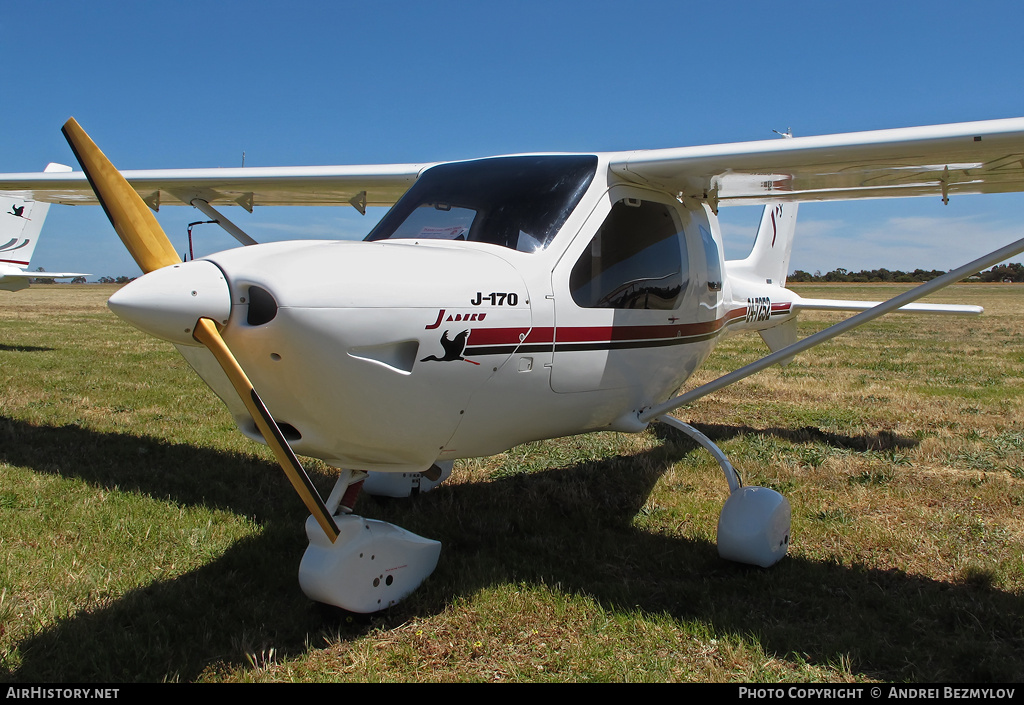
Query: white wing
{"points": [[973, 157], [245, 186], [970, 157]]}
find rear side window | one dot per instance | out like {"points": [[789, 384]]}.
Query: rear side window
{"points": [[714, 260], [635, 261]]}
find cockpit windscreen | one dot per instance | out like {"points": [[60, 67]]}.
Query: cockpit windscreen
{"points": [[515, 202]]}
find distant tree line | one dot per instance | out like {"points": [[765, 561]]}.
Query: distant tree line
{"points": [[47, 280], [1004, 272]]}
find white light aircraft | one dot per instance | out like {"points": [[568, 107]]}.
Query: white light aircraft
{"points": [[21, 221], [500, 301]]}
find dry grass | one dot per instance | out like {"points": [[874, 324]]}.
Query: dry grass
{"points": [[141, 544]]}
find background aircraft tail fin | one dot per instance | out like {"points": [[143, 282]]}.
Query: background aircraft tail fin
{"points": [[21, 220]]}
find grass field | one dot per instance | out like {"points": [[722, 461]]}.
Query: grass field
{"points": [[142, 538]]}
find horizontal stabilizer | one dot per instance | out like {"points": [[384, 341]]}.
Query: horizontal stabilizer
{"points": [[18, 280], [802, 304], [45, 275]]}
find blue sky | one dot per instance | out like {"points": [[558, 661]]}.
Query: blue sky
{"points": [[190, 84]]}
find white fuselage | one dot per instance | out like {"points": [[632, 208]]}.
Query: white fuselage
{"points": [[390, 355]]}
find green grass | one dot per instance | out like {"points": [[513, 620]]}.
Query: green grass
{"points": [[144, 539]]}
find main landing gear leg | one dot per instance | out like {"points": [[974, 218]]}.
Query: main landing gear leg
{"points": [[754, 524], [372, 564]]}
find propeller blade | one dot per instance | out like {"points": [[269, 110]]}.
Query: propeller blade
{"points": [[131, 217], [148, 244], [206, 332]]}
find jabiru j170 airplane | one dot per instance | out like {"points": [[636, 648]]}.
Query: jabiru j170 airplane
{"points": [[499, 301], [21, 221]]}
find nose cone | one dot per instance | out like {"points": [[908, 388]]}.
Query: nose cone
{"points": [[167, 302]]}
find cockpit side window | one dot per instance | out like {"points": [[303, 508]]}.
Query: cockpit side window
{"points": [[636, 260], [515, 202]]}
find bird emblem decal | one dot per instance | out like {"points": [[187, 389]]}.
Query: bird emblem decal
{"points": [[453, 348]]}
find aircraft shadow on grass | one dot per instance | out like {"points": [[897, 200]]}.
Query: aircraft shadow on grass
{"points": [[882, 440], [23, 348], [570, 527]]}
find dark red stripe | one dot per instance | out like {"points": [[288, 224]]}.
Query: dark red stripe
{"points": [[606, 334], [579, 334]]}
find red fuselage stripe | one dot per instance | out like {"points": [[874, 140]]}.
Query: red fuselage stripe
{"points": [[605, 334]]}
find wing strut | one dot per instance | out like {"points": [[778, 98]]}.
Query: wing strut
{"points": [[212, 213], [952, 277]]}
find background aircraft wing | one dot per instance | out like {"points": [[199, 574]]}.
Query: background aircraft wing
{"points": [[244, 186], [970, 157]]}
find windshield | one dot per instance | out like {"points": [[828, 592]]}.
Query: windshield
{"points": [[516, 202]]}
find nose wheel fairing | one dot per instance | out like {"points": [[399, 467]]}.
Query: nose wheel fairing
{"points": [[371, 566]]}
